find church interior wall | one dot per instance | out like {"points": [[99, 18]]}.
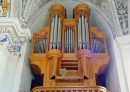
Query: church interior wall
{"points": [[26, 75], [4, 56], [116, 77]]}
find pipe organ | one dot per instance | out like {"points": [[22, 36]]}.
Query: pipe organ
{"points": [[69, 52]]}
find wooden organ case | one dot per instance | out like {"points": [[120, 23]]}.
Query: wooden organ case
{"points": [[69, 53]]}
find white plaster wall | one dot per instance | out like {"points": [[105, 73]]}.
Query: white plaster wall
{"points": [[126, 61], [41, 21], [123, 46], [112, 72], [18, 75], [4, 56], [23, 76], [26, 76], [118, 58], [69, 6], [9, 75]]}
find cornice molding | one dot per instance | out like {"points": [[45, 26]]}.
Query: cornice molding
{"points": [[123, 40], [12, 35]]}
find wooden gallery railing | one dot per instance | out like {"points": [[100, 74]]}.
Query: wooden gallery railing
{"points": [[70, 89]]}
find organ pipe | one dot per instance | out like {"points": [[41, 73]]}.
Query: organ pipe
{"points": [[71, 41], [94, 44], [41, 45], [51, 33], [55, 32], [44, 45], [79, 34], [65, 41], [97, 46], [59, 34], [55, 35], [87, 33], [83, 32]]}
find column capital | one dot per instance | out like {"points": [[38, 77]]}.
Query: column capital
{"points": [[12, 36], [123, 40]]}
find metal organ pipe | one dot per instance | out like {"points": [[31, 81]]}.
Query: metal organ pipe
{"points": [[44, 45], [79, 34], [71, 41], [41, 45], [59, 35], [36, 48], [51, 33], [65, 41], [55, 32], [98, 46], [94, 44], [87, 33], [83, 33]]}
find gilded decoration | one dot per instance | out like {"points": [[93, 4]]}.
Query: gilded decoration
{"points": [[4, 8]]}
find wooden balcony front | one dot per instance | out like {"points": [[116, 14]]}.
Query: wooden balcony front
{"points": [[70, 89]]}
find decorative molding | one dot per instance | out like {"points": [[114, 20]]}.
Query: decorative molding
{"points": [[122, 11], [25, 9], [12, 36], [124, 40], [117, 12]]}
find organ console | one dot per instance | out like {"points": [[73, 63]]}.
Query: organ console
{"points": [[70, 53]]}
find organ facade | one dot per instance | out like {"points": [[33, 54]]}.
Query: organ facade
{"points": [[69, 53]]}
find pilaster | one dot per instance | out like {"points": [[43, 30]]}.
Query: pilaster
{"points": [[12, 44], [124, 46]]}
